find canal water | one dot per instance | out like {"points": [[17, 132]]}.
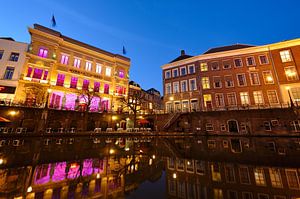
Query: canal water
{"points": [[204, 167]]}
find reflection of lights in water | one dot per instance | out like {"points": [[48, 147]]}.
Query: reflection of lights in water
{"points": [[98, 175], [29, 189], [12, 113], [117, 142], [150, 161], [111, 151], [174, 175], [153, 156], [1, 161], [127, 149]]}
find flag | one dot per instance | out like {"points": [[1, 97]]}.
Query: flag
{"points": [[124, 51], [53, 21]]}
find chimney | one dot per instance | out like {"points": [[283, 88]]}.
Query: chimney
{"points": [[182, 52]]}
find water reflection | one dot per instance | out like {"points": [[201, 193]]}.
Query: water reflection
{"points": [[114, 167]]}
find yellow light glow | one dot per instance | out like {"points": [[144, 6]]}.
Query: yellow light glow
{"points": [[171, 98], [12, 113], [127, 149], [287, 88], [188, 163], [174, 175], [29, 189], [49, 90], [153, 156], [1, 161], [114, 117], [127, 119], [141, 151], [98, 175], [111, 151]]}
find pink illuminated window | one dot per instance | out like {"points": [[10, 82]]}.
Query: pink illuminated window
{"points": [[37, 74], [64, 59], [96, 86], [73, 83], [43, 52], [59, 172], [87, 167], [60, 80], [88, 66], [45, 75], [85, 85], [106, 88], [29, 72], [77, 62], [121, 74]]}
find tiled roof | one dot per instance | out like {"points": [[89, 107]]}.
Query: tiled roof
{"points": [[227, 48]]}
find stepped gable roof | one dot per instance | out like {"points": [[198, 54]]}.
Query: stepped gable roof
{"points": [[227, 48]]}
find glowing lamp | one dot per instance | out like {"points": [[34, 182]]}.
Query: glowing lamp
{"points": [[29, 189], [73, 165], [174, 175]]}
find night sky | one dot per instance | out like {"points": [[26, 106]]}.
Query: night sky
{"points": [[154, 31]]}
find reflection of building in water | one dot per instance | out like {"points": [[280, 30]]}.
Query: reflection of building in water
{"points": [[225, 169]]}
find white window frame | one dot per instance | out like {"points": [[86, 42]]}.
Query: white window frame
{"points": [[217, 77], [181, 85], [267, 59], [224, 64], [236, 65], [234, 98], [170, 76], [185, 71], [191, 65], [65, 56], [268, 91], [239, 81], [262, 95], [245, 95], [247, 63], [166, 87], [108, 71], [77, 62], [269, 72], [176, 83], [226, 81], [251, 80], [222, 104], [211, 66], [285, 71], [190, 87], [204, 63], [176, 69], [286, 56], [88, 65], [98, 68], [207, 83]]}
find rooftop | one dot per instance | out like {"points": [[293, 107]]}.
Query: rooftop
{"points": [[181, 57], [227, 48]]}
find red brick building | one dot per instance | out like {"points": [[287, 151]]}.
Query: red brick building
{"points": [[231, 77]]}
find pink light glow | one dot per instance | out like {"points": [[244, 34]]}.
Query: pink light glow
{"points": [[29, 72], [56, 99], [95, 104], [42, 174], [74, 171], [87, 167], [70, 101], [43, 52], [59, 171], [121, 74]]}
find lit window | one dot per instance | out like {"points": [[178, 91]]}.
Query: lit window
{"points": [[203, 67], [106, 88], [193, 86], [291, 73], [77, 62], [207, 100], [219, 100], [263, 59], [268, 77], [96, 86], [175, 72], [88, 66], [183, 71], [167, 74], [285, 56], [231, 98], [218, 194], [259, 176], [205, 83], [175, 87], [43, 52], [37, 73], [14, 57], [184, 86], [60, 80], [9, 72], [168, 88], [275, 177], [238, 63], [292, 178], [250, 61], [258, 97], [98, 68], [121, 74], [241, 79], [64, 59], [85, 85], [215, 172], [244, 98], [73, 83], [254, 78], [272, 96], [215, 66], [108, 71], [296, 93], [191, 69]]}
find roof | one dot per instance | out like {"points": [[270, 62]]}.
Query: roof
{"points": [[181, 57], [79, 43], [7, 38], [227, 48]]}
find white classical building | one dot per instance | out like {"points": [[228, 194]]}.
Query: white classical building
{"points": [[12, 58]]}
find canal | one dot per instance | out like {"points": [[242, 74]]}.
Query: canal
{"points": [[194, 167]]}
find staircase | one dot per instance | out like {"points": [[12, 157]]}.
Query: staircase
{"points": [[170, 120]]}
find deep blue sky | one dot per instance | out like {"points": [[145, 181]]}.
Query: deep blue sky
{"points": [[154, 31]]}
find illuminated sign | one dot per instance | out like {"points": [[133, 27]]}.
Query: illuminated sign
{"points": [[7, 89]]}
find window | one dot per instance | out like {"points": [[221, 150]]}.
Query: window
{"points": [[183, 71], [108, 71], [172, 187], [210, 127], [171, 163], [167, 74], [254, 78], [88, 66], [106, 88], [244, 98], [219, 100], [168, 88], [296, 93], [207, 100], [73, 83], [175, 72], [215, 66], [229, 173], [295, 125], [45, 75], [29, 71], [37, 73], [263, 196], [203, 67], [14, 57], [241, 79], [259, 176], [77, 62], [238, 63], [191, 69], [228, 81], [175, 87], [268, 77], [217, 82], [250, 61], [184, 86], [291, 73], [60, 80], [193, 86], [200, 167], [64, 59], [218, 194], [263, 59], [98, 68], [247, 195], [180, 164], [285, 56], [232, 194], [272, 96], [9, 72], [43, 52], [205, 83], [275, 177], [85, 85], [181, 189], [244, 175], [292, 178], [121, 73], [226, 64], [258, 97], [1, 53], [96, 86], [215, 172]]}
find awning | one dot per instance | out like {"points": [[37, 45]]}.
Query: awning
{"points": [[2, 119]]}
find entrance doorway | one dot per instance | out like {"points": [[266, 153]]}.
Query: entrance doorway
{"points": [[233, 126]]}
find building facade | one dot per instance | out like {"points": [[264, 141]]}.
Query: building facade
{"points": [[12, 58], [231, 77], [64, 73]]}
